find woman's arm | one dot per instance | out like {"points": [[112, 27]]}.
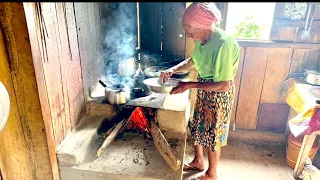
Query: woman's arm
{"points": [[185, 65], [222, 86]]}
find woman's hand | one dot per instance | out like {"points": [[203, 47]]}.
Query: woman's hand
{"points": [[165, 75], [180, 88]]}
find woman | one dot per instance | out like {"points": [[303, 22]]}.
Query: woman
{"points": [[216, 58]]}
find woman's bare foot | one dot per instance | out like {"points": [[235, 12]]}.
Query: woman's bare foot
{"points": [[195, 164]]}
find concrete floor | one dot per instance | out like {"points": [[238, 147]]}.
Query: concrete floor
{"points": [[245, 157], [248, 155], [247, 160]]}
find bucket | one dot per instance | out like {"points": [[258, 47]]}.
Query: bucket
{"points": [[293, 150]]}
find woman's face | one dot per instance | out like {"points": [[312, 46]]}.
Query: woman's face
{"points": [[194, 33]]}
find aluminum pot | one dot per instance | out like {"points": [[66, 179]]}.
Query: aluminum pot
{"points": [[312, 75], [117, 93]]}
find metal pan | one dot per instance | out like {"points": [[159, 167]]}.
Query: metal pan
{"points": [[155, 86]]}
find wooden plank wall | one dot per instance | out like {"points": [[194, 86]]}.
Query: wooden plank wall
{"points": [[260, 102], [173, 34], [161, 29], [63, 61], [285, 29], [150, 26]]}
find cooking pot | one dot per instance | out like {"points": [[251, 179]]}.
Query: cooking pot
{"points": [[312, 75], [117, 93]]}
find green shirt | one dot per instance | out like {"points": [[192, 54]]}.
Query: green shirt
{"points": [[218, 59]]}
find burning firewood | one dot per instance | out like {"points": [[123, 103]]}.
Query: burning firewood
{"points": [[138, 121], [164, 147], [119, 127]]}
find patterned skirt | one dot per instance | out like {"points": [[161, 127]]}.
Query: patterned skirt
{"points": [[209, 125]]}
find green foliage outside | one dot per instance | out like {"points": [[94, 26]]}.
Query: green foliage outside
{"points": [[248, 28]]}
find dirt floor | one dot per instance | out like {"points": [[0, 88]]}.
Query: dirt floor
{"points": [[244, 159]]}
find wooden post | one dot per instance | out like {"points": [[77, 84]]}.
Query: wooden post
{"points": [[25, 148]]}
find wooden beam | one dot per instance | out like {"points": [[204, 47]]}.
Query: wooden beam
{"points": [[23, 143], [33, 29], [164, 147], [237, 83], [274, 44]]}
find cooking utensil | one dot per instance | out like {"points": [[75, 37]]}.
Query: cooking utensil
{"points": [[4, 106], [148, 59], [140, 89], [127, 67], [312, 75], [180, 75], [117, 93], [305, 33], [154, 71], [155, 85]]}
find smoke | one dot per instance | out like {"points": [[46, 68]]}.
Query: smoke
{"points": [[119, 23]]}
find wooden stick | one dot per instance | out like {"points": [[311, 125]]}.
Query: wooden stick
{"points": [[112, 136], [306, 146], [164, 147], [106, 134]]}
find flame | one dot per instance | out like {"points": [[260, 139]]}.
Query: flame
{"points": [[138, 121]]}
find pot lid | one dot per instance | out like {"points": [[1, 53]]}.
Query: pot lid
{"points": [[4, 106], [118, 87]]}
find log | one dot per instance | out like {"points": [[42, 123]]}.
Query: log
{"points": [[112, 136], [164, 148]]}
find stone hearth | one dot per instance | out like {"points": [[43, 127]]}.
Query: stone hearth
{"points": [[132, 156]]}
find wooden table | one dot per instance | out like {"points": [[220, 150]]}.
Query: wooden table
{"points": [[306, 146]]}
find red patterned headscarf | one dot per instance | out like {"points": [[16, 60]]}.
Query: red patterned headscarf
{"points": [[202, 15]]}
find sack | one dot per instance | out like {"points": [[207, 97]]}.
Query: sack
{"points": [[309, 171], [306, 122]]}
